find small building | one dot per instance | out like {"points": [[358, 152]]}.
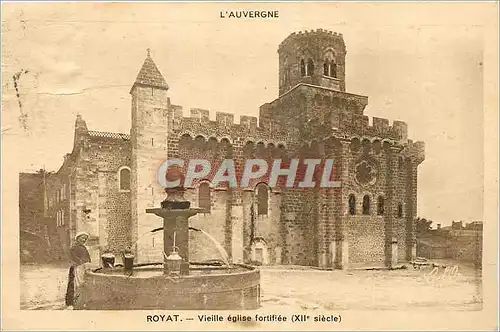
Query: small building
{"points": [[40, 239]]}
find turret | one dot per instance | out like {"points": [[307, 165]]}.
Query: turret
{"points": [[149, 147], [81, 131], [149, 97]]}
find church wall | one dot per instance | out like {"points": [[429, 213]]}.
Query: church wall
{"points": [[217, 221], [115, 215], [403, 191], [85, 208], [366, 235], [299, 230], [296, 232], [214, 223], [267, 226], [96, 190]]}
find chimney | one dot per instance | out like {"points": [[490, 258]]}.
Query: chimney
{"points": [[439, 226]]}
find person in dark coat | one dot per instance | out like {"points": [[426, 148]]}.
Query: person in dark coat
{"points": [[79, 256]]}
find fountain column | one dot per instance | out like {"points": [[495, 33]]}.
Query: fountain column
{"points": [[175, 211]]}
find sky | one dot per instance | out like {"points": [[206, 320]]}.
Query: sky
{"points": [[421, 63]]}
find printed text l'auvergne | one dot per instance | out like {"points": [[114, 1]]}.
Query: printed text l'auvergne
{"points": [[249, 14]]}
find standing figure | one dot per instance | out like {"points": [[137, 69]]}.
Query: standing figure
{"points": [[79, 256]]}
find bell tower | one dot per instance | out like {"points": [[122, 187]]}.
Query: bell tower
{"points": [[315, 57]]}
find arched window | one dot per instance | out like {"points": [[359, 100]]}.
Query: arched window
{"points": [[262, 199], [352, 205], [285, 70], [366, 204], [333, 69], [310, 67], [204, 197], [326, 69], [400, 210], [124, 179], [380, 206], [302, 68]]}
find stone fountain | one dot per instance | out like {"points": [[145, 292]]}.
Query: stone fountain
{"points": [[175, 283]]}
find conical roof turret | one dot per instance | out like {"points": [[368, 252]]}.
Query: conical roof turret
{"points": [[149, 74]]}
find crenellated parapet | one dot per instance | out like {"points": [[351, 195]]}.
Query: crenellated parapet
{"points": [[380, 128], [199, 113], [224, 126], [415, 151], [224, 119], [343, 124], [175, 114], [328, 120], [249, 123], [355, 125], [307, 35]]}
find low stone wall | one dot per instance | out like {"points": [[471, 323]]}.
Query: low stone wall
{"points": [[464, 246]]}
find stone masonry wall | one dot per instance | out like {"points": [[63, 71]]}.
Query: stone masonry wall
{"points": [[100, 208], [299, 223], [314, 45], [365, 233], [201, 247], [149, 149]]}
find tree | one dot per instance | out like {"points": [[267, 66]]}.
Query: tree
{"points": [[423, 225]]}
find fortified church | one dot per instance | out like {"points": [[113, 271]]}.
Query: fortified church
{"points": [[109, 179]]}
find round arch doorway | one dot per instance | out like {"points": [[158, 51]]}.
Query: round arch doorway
{"points": [[259, 252]]}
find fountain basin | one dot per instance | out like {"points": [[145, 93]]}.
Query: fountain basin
{"points": [[146, 287]]}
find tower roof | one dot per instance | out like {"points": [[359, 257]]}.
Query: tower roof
{"points": [[150, 75]]}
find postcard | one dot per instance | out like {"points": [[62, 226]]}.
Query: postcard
{"points": [[249, 166]]}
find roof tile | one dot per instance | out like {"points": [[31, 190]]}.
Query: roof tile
{"points": [[103, 134], [150, 75]]}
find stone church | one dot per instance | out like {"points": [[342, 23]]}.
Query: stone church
{"points": [[109, 179]]}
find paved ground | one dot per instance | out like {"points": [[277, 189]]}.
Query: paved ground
{"points": [[373, 290], [43, 287]]}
